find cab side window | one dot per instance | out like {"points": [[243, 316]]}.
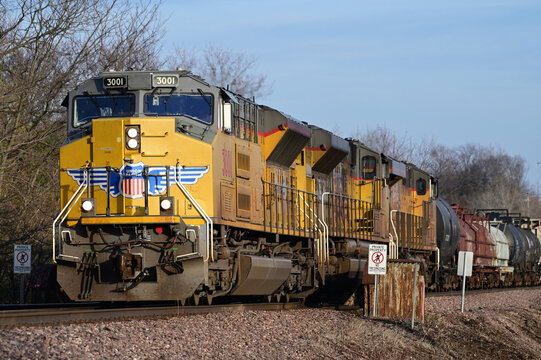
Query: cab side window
{"points": [[368, 170], [420, 186]]}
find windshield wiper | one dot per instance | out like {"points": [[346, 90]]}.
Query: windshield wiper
{"points": [[93, 99], [168, 96], [204, 97], [112, 97]]}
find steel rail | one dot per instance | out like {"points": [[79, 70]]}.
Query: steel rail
{"points": [[472, 292], [14, 318]]}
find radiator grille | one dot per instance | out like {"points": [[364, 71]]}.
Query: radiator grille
{"points": [[244, 202], [243, 162]]}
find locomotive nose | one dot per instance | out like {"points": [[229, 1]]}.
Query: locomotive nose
{"points": [[132, 150]]}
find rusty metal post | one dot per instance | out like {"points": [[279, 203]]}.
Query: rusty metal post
{"points": [[414, 295]]}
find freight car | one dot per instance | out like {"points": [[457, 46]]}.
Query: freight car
{"points": [[504, 254], [174, 189]]}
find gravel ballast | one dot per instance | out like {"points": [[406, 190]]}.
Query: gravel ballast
{"points": [[503, 325]]}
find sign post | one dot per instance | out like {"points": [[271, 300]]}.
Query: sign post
{"points": [[22, 258], [377, 265], [414, 295], [464, 268]]}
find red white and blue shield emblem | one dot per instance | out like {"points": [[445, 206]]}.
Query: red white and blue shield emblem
{"points": [[133, 183]]}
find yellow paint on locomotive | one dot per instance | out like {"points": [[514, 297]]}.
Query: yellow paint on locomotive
{"points": [[317, 154], [160, 145], [299, 172], [270, 140], [366, 190], [419, 200]]}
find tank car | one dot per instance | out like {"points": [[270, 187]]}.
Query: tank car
{"points": [[504, 254], [460, 229], [524, 246]]}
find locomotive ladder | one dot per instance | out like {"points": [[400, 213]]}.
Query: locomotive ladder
{"points": [[321, 243], [66, 210], [208, 220]]}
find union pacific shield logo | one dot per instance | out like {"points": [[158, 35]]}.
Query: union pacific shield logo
{"points": [[133, 182], [130, 183]]}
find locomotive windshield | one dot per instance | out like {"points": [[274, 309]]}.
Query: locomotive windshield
{"points": [[195, 106], [86, 108]]}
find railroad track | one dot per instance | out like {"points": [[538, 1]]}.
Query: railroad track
{"points": [[478, 291], [96, 312]]}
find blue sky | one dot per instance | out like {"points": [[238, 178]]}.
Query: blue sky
{"points": [[454, 72]]}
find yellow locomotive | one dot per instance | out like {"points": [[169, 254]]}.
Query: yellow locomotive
{"points": [[174, 189]]}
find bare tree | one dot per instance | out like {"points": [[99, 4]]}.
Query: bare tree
{"points": [[224, 68], [45, 49], [404, 148]]}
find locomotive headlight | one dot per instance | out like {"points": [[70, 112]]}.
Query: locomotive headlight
{"points": [[132, 137], [87, 206], [132, 144], [165, 204], [132, 132]]}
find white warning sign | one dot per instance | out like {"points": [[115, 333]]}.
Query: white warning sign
{"points": [[377, 259], [22, 255]]}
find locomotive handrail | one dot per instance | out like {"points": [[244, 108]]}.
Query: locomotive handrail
{"points": [[392, 247], [78, 193], [331, 224], [292, 192], [338, 195], [411, 234], [324, 244], [208, 220], [394, 228], [303, 198]]}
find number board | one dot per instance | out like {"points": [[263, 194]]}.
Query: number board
{"points": [[115, 82], [164, 80]]}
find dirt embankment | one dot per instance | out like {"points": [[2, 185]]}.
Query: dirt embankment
{"points": [[505, 325]]}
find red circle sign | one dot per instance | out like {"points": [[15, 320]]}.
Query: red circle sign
{"points": [[377, 257], [22, 257]]}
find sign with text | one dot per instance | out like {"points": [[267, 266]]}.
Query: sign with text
{"points": [[377, 259], [22, 255]]}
